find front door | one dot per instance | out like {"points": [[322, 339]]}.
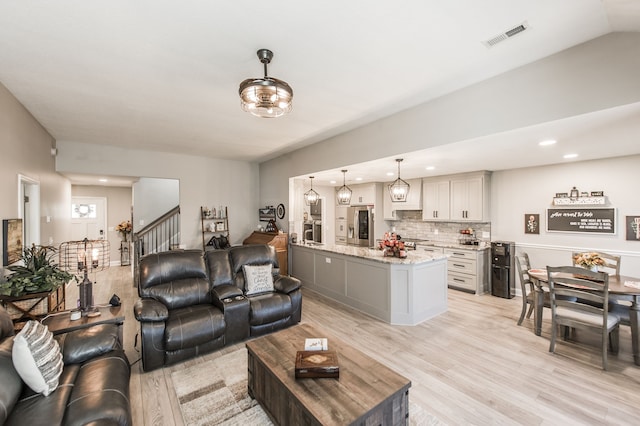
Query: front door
{"points": [[88, 218]]}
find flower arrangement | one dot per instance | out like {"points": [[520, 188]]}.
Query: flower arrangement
{"points": [[124, 228], [392, 246], [588, 260]]}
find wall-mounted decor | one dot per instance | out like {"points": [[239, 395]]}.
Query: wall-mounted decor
{"points": [[531, 223], [11, 241], [578, 198], [633, 228], [583, 220]]}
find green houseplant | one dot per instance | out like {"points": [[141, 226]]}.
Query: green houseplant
{"points": [[38, 273]]}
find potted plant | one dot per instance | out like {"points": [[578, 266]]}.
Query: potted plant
{"points": [[38, 273]]}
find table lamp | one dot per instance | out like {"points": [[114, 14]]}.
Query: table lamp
{"points": [[80, 257]]}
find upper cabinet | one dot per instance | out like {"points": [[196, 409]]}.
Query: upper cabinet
{"points": [[435, 196], [457, 198], [363, 194], [414, 200], [470, 197]]}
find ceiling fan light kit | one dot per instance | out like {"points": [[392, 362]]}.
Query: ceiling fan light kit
{"points": [[265, 97]]}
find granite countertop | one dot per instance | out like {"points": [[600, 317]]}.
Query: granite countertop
{"points": [[413, 257], [481, 246]]}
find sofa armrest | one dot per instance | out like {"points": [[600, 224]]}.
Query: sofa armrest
{"points": [[226, 291], [81, 345], [150, 310], [286, 284]]}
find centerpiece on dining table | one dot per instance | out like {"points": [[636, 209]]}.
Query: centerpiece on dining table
{"points": [[588, 260], [392, 245]]}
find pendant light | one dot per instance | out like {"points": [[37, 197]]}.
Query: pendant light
{"points": [[399, 189], [311, 197], [265, 97], [343, 196]]}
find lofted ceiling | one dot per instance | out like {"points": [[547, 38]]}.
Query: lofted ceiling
{"points": [[164, 75]]}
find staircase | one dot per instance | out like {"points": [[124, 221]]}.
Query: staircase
{"points": [[162, 234]]}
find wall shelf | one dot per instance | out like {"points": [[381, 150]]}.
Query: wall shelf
{"points": [[581, 201]]}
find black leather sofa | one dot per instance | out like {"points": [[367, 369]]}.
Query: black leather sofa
{"points": [[193, 302], [93, 388]]}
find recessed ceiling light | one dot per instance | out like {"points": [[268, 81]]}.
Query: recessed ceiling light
{"points": [[570, 156], [332, 181], [390, 173], [429, 168], [547, 142], [358, 178], [103, 180]]}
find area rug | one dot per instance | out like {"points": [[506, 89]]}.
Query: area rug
{"points": [[215, 393]]}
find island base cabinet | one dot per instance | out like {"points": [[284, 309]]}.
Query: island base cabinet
{"points": [[397, 293]]}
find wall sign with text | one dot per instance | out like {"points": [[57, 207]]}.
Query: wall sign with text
{"points": [[588, 221]]}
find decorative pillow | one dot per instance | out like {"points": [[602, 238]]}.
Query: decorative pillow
{"points": [[258, 278], [37, 357]]}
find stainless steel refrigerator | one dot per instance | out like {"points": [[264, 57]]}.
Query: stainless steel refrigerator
{"points": [[360, 226]]}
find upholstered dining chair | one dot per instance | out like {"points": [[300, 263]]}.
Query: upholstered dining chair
{"points": [[611, 262], [589, 310]]}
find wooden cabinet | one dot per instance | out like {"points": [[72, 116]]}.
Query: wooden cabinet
{"points": [[435, 197], [470, 198], [277, 240], [414, 200], [468, 270], [364, 194], [214, 226]]}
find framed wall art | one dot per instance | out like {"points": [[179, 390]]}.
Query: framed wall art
{"points": [[531, 223], [11, 241], [633, 228]]}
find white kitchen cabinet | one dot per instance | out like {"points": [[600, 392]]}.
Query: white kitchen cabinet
{"points": [[341, 212], [364, 194], [414, 200], [468, 269], [341, 231], [470, 197], [435, 197]]}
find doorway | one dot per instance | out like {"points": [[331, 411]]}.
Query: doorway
{"points": [[29, 209], [88, 218]]}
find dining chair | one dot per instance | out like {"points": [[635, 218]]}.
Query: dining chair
{"points": [[611, 265], [589, 310], [527, 287]]}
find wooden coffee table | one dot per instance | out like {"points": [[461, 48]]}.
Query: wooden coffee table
{"points": [[367, 392]]}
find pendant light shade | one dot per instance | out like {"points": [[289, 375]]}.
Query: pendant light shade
{"points": [[399, 189], [311, 197], [343, 196], [265, 97]]}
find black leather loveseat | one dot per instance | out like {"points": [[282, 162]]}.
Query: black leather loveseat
{"points": [[194, 302], [93, 388]]}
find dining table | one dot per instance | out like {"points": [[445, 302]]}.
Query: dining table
{"points": [[621, 287]]}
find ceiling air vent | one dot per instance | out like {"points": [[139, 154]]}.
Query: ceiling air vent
{"points": [[505, 35]]}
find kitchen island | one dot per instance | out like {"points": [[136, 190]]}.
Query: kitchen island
{"points": [[398, 291]]}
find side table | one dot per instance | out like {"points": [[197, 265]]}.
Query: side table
{"points": [[61, 322]]}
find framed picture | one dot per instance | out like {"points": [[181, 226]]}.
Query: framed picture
{"points": [[633, 228], [531, 223], [11, 241]]}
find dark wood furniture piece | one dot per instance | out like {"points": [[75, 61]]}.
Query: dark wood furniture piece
{"points": [[33, 306], [62, 323], [277, 240], [367, 392], [617, 290]]}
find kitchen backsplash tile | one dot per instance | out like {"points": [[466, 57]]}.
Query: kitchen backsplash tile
{"points": [[411, 225]]}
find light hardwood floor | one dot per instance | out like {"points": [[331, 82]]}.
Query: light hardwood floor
{"points": [[471, 365]]}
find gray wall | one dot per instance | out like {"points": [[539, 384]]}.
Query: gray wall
{"points": [[596, 75], [203, 182], [152, 198], [26, 149]]}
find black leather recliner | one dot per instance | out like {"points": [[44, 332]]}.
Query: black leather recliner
{"points": [[93, 388], [192, 304]]}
